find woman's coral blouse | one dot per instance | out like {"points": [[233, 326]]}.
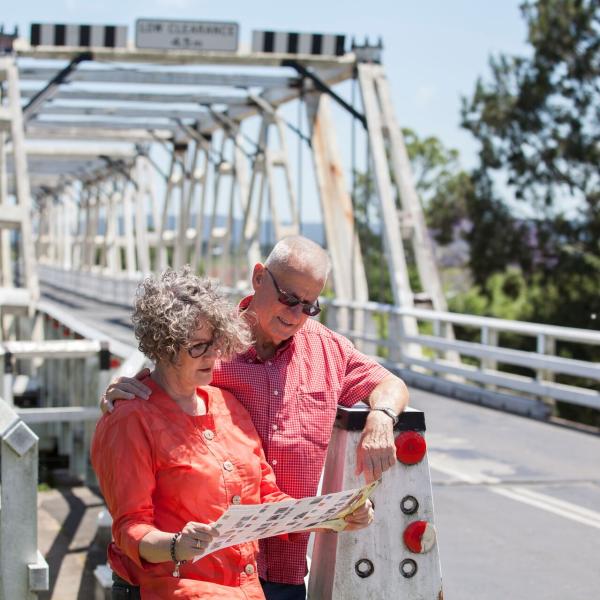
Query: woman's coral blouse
{"points": [[159, 468]]}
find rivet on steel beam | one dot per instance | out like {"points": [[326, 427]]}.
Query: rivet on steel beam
{"points": [[364, 568], [409, 505], [408, 568]]}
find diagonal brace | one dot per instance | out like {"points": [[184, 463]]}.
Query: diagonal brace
{"points": [[51, 88], [323, 87]]}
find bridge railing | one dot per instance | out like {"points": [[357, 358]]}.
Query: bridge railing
{"points": [[58, 378], [484, 368], [23, 569]]}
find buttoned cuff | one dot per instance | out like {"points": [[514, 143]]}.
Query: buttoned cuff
{"points": [[129, 541]]}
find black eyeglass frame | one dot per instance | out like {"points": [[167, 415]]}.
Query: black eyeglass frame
{"points": [[206, 345], [308, 308]]}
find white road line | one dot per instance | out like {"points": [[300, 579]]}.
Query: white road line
{"points": [[547, 504], [565, 509]]}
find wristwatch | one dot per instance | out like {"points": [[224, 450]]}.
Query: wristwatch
{"points": [[389, 412]]}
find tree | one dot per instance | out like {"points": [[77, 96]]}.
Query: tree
{"points": [[538, 125]]}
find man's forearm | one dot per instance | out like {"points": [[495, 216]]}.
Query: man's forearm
{"points": [[376, 450], [390, 393]]}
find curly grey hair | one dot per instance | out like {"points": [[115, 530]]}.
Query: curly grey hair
{"points": [[169, 308]]}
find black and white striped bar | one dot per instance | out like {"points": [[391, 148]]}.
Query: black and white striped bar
{"points": [[84, 36], [281, 42]]}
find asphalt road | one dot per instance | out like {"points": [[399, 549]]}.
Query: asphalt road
{"points": [[517, 501], [517, 504]]}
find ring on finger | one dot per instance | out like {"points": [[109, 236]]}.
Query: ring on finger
{"points": [[198, 546]]}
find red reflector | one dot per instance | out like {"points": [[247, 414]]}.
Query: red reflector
{"points": [[115, 363], [410, 447], [419, 537]]}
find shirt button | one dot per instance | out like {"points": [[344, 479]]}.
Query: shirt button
{"points": [[249, 569], [274, 427], [236, 500], [249, 360], [274, 462], [275, 392], [228, 465], [208, 434], [269, 363]]}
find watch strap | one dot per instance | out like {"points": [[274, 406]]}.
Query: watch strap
{"points": [[389, 412]]}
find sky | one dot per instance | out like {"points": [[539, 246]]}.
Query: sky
{"points": [[434, 50]]}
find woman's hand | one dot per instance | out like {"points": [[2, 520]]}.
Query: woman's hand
{"points": [[194, 538], [362, 517], [125, 388]]}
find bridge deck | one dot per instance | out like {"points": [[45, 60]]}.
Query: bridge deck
{"points": [[517, 501]]}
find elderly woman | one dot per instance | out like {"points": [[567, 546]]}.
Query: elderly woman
{"points": [[170, 466]]}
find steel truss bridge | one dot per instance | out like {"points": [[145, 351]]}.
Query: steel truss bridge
{"points": [[115, 163]]}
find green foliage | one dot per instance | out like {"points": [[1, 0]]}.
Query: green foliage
{"points": [[442, 185], [537, 122]]}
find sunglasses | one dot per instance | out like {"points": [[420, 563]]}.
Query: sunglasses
{"points": [[308, 308], [200, 349]]}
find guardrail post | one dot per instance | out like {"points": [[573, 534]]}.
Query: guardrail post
{"points": [[342, 566], [7, 380], [545, 345], [23, 570], [489, 337], [102, 375]]}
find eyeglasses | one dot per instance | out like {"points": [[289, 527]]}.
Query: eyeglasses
{"points": [[200, 349], [288, 299]]}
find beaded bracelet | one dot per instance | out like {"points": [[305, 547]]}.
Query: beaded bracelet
{"points": [[178, 563]]}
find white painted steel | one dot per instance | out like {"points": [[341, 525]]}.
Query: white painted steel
{"points": [[335, 557], [53, 348], [23, 571], [19, 218], [135, 76], [141, 97], [185, 57]]}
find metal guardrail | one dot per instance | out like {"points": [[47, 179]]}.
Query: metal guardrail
{"points": [[65, 370], [426, 354], [23, 569], [420, 358]]}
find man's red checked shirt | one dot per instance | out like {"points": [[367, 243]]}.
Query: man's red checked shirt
{"points": [[293, 398]]}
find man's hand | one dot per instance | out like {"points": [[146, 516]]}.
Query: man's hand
{"points": [[125, 388], [376, 451]]}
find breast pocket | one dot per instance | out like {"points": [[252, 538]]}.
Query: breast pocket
{"points": [[317, 415]]}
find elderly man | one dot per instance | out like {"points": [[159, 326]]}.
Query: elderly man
{"points": [[291, 382]]}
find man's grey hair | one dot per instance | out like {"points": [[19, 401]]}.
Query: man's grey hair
{"points": [[300, 253], [169, 308]]}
